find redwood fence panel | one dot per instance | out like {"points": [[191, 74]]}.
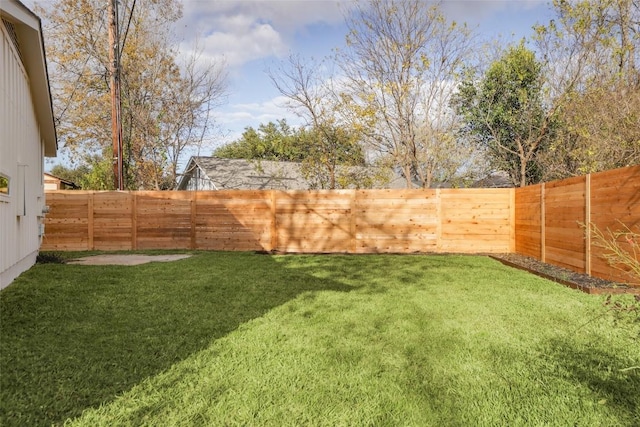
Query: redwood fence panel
{"points": [[316, 221], [564, 217], [477, 220], [160, 220], [397, 221], [337, 221], [528, 222], [233, 220], [544, 221], [551, 219], [615, 200], [67, 225]]}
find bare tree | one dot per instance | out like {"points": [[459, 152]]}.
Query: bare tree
{"points": [[331, 146], [187, 105], [165, 106], [591, 63], [399, 66]]}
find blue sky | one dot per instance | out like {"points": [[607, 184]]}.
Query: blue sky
{"points": [[253, 35]]}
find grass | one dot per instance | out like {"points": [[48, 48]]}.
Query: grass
{"points": [[246, 339]]}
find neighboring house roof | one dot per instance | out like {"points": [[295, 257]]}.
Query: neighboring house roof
{"points": [[25, 30], [494, 180], [212, 173], [52, 182]]}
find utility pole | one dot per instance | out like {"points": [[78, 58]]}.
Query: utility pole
{"points": [[114, 72]]}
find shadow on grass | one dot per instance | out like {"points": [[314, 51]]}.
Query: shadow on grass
{"points": [[603, 372], [74, 337]]}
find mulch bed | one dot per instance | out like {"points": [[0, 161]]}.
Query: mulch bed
{"points": [[582, 282]]}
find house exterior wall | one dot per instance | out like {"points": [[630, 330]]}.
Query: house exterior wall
{"points": [[199, 181], [53, 183], [21, 161]]}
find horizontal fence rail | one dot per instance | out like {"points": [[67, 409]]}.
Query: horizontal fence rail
{"points": [[340, 221]]}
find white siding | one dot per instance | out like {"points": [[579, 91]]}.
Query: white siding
{"points": [[199, 181], [21, 158]]}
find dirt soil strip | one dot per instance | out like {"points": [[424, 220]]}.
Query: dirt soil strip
{"points": [[126, 259], [581, 282]]}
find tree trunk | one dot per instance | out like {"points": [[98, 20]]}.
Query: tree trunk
{"points": [[523, 172], [406, 170]]}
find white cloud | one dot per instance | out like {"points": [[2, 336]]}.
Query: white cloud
{"points": [[249, 34], [286, 15], [241, 115], [241, 31], [255, 41]]}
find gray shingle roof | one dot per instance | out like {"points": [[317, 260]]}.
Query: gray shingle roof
{"points": [[212, 173], [236, 174]]}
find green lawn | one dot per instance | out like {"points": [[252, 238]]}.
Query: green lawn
{"points": [[260, 340]]}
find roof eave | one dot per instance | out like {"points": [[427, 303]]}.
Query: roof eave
{"points": [[187, 174], [30, 33]]}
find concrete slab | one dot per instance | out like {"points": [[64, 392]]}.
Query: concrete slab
{"points": [[126, 259]]}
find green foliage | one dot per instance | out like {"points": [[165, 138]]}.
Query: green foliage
{"points": [[332, 153], [93, 173], [597, 38], [330, 143], [73, 174], [273, 141], [247, 339], [504, 112], [100, 176], [621, 247], [591, 55], [50, 258], [326, 152]]}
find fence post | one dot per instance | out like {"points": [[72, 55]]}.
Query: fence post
{"points": [[90, 244], [438, 221], [274, 225], [543, 215], [512, 220], [134, 221], [193, 201], [353, 244], [587, 220]]}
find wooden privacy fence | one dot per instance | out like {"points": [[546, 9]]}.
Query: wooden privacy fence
{"points": [[550, 219], [544, 221], [340, 221]]}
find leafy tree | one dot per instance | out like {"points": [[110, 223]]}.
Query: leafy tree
{"points": [[273, 141], [100, 176], [335, 159], [504, 112], [399, 64], [93, 173], [591, 41], [600, 131], [308, 146], [592, 57], [75, 175], [166, 105]]}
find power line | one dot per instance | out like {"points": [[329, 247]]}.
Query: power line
{"points": [[114, 71], [124, 40]]}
